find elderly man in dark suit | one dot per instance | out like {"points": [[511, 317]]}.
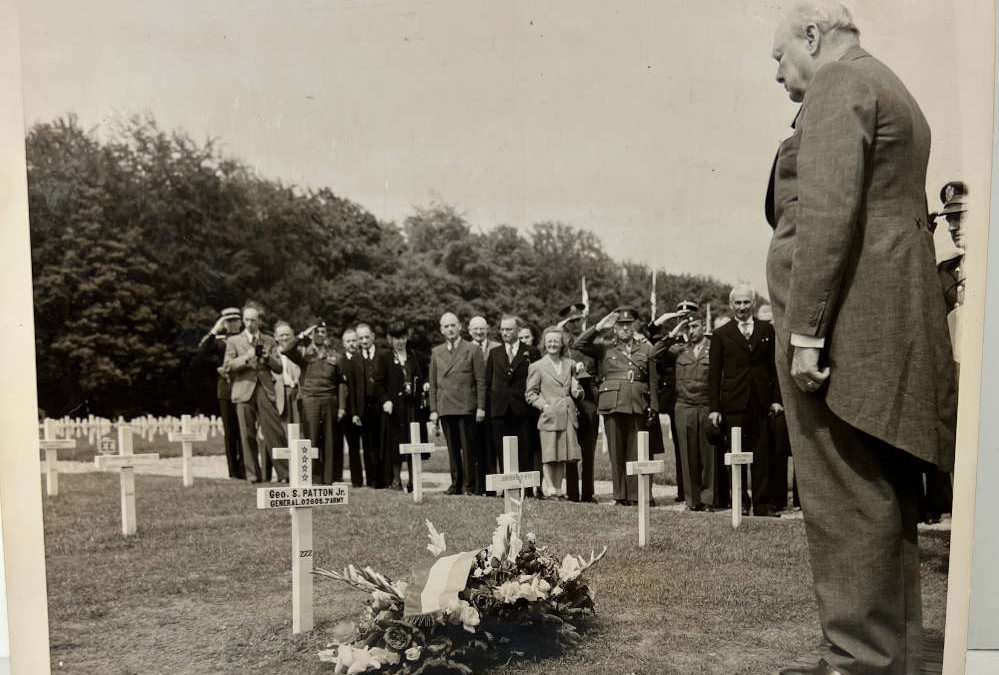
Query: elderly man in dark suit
{"points": [[506, 381], [365, 406], [851, 251], [458, 400], [250, 358], [742, 390], [212, 349]]}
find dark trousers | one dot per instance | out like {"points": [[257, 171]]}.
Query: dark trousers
{"points": [[697, 455], [622, 441], [780, 444], [754, 439], [321, 423], [458, 430], [859, 498], [261, 409], [938, 495], [586, 434], [371, 437], [233, 445], [484, 454], [511, 425], [352, 434], [674, 431]]}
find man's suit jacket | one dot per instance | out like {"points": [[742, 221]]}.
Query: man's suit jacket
{"points": [[457, 379], [851, 259], [742, 370], [361, 381], [239, 354], [506, 381]]}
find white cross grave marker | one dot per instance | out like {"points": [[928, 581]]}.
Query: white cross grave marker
{"points": [[300, 496], [644, 468], [125, 461], [187, 436], [51, 445], [415, 449], [735, 459], [512, 478]]}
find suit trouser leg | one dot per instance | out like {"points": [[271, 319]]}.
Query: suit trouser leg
{"points": [[674, 432], [482, 453], [859, 499], [455, 436], [246, 413], [233, 444], [273, 431], [352, 433], [687, 418], [372, 439], [745, 421], [589, 428], [707, 456]]}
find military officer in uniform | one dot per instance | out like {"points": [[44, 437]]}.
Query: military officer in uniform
{"points": [[628, 375]]}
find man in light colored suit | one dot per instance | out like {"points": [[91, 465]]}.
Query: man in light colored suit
{"points": [[250, 358], [852, 251], [458, 400]]}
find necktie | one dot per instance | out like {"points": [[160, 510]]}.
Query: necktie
{"points": [[747, 330], [509, 353]]}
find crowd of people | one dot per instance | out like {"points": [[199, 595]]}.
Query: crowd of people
{"points": [[475, 390]]}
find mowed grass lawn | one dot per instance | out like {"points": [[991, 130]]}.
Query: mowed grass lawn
{"points": [[205, 585]]}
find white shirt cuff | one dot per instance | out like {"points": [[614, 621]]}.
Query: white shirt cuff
{"points": [[798, 340]]}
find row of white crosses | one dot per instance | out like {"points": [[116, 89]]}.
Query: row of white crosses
{"points": [[146, 426]]}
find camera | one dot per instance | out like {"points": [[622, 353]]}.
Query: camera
{"points": [[259, 350]]}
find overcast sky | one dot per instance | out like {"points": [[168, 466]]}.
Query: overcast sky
{"points": [[652, 123]]}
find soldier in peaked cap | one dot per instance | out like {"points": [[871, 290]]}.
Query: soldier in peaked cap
{"points": [[212, 349], [628, 378]]}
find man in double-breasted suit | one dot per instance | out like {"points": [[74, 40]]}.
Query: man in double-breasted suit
{"points": [[628, 375], [863, 352], [506, 381], [742, 391], [458, 399], [250, 358]]}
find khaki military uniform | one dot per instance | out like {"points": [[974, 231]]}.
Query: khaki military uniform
{"points": [[627, 375]]}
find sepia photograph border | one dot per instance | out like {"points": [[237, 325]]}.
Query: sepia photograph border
{"points": [[21, 498]]}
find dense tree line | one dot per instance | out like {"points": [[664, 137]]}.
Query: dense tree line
{"points": [[139, 236]]}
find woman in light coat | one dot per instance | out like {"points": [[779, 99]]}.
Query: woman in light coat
{"points": [[551, 387]]}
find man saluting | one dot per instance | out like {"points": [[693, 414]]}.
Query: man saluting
{"points": [[852, 250], [628, 375]]}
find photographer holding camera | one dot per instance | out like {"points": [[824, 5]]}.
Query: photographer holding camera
{"points": [[250, 358]]}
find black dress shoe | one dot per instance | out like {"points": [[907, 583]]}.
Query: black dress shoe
{"points": [[678, 499], [652, 503], [620, 502], [453, 491], [820, 668], [699, 507], [589, 500]]}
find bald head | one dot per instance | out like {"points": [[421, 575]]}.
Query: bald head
{"points": [[479, 328], [741, 300], [450, 326]]}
